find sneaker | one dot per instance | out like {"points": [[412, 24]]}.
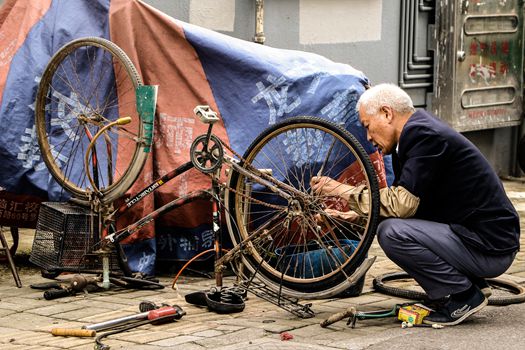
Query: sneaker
{"points": [[483, 285], [458, 308]]}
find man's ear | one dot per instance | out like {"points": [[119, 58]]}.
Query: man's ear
{"points": [[389, 113]]}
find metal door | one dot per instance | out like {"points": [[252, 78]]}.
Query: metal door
{"points": [[478, 54]]}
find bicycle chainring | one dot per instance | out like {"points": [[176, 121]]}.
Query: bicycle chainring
{"points": [[206, 154]]}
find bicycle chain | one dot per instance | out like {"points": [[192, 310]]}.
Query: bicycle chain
{"points": [[224, 186], [251, 168]]}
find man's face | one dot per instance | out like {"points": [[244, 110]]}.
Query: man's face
{"points": [[380, 130]]}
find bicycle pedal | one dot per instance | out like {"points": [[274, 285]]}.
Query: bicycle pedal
{"points": [[206, 114]]}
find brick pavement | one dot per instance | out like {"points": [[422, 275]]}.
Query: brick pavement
{"points": [[26, 318]]}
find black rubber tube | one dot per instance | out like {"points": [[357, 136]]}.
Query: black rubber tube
{"points": [[516, 292]]}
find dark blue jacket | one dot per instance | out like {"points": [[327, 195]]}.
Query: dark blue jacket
{"points": [[455, 184]]}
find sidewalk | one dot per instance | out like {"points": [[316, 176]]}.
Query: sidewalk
{"points": [[26, 318]]}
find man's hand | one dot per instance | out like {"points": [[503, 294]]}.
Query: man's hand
{"points": [[350, 216], [326, 186], [331, 214]]}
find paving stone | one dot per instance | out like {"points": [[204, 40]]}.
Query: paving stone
{"points": [[34, 347], [274, 343], [178, 340], [8, 335], [228, 328], [67, 342], [144, 336], [241, 336], [87, 313], [208, 333], [6, 312], [274, 327], [144, 347], [115, 344], [25, 321], [56, 309]]}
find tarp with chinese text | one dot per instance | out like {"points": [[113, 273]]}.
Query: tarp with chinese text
{"points": [[250, 85]]}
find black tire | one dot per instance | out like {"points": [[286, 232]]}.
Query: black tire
{"points": [[274, 255], [506, 292], [77, 95]]}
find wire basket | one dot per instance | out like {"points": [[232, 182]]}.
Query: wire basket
{"points": [[65, 237]]}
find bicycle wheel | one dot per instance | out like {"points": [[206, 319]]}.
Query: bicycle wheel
{"points": [[300, 250], [400, 284], [88, 83]]}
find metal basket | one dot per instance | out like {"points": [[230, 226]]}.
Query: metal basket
{"points": [[65, 237]]}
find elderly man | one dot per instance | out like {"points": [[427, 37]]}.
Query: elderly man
{"points": [[448, 222]]}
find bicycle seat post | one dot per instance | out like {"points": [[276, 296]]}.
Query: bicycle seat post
{"points": [[217, 231]]}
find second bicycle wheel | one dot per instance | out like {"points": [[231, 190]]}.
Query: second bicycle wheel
{"points": [[88, 83], [298, 244]]}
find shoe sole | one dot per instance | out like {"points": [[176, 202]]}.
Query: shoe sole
{"points": [[462, 318], [487, 292]]}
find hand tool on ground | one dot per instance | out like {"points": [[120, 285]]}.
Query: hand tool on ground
{"points": [[59, 289], [64, 332], [354, 315], [175, 312], [156, 316], [412, 313]]}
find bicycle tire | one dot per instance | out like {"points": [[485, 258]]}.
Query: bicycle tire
{"points": [[87, 83], [516, 292], [313, 143]]}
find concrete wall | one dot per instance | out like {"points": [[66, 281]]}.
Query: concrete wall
{"points": [[362, 33]]}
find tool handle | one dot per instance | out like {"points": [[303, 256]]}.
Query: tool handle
{"points": [[56, 293], [174, 311], [338, 316], [73, 332]]}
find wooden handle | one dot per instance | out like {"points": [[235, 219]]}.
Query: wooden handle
{"points": [[338, 316], [73, 332]]}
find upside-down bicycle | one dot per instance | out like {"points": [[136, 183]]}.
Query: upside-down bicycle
{"points": [[278, 226]]}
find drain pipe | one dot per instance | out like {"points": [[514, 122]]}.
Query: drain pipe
{"points": [[259, 22], [405, 37]]}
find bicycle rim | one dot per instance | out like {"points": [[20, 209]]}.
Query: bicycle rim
{"points": [[295, 249], [88, 83]]}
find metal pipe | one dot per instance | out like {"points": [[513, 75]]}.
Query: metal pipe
{"points": [[414, 85], [413, 27], [423, 7], [402, 42], [408, 76], [407, 38], [414, 58], [117, 322], [259, 22]]}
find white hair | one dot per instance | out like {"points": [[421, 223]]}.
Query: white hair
{"points": [[385, 95]]}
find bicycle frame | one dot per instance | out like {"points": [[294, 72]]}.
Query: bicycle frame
{"points": [[208, 156], [211, 193]]}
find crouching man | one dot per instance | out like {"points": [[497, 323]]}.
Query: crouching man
{"points": [[447, 220]]}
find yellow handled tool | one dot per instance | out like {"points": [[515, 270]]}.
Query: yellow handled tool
{"points": [[73, 332]]}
